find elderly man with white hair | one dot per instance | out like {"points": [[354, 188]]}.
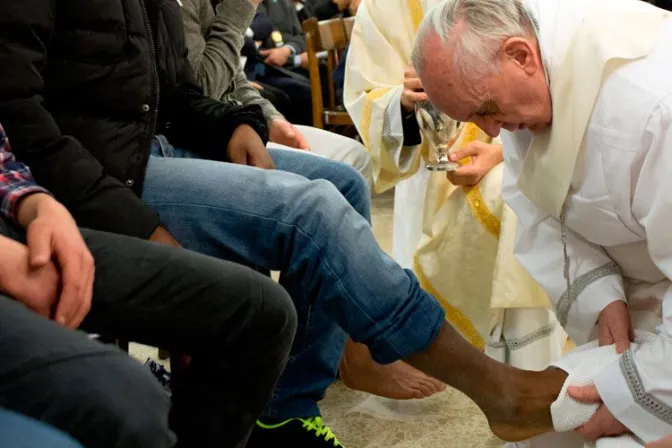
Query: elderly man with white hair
{"points": [[583, 93]]}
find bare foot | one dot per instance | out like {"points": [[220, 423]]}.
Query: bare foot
{"points": [[525, 408], [397, 380]]}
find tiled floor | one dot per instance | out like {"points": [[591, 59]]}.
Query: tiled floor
{"points": [[362, 421]]}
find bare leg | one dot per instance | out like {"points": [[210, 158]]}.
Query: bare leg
{"points": [[397, 380], [516, 402]]}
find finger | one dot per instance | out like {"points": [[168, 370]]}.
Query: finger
{"points": [[238, 157], [264, 52], [662, 443], [87, 295], [39, 241], [621, 336], [585, 394], [413, 84], [604, 337], [466, 175], [417, 97], [410, 72], [263, 161], [468, 151], [302, 143], [69, 301]]}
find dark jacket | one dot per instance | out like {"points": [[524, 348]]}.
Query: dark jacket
{"points": [[284, 16], [84, 87], [323, 9]]}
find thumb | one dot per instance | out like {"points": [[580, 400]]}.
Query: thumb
{"points": [[585, 394], [462, 153], [39, 242], [621, 337], [264, 52]]}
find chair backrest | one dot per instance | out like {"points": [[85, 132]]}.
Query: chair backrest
{"points": [[330, 36]]}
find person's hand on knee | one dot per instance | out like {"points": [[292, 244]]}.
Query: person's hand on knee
{"points": [[53, 235], [247, 148], [285, 133]]}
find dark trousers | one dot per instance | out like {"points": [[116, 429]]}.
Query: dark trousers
{"points": [[235, 323]]}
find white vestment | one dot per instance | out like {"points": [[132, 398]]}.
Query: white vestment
{"points": [[617, 204], [458, 241]]}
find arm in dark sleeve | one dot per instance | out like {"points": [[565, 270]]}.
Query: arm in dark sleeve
{"points": [[204, 125], [59, 162], [410, 127]]}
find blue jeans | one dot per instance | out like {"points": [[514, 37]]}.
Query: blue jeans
{"points": [[19, 431], [308, 219]]}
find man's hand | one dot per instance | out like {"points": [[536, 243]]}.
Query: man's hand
{"points": [[602, 423], [276, 56], [413, 90], [303, 60], [161, 235], [247, 148], [256, 85], [615, 326], [662, 443], [36, 288], [484, 157], [52, 234], [255, 3], [285, 133]]}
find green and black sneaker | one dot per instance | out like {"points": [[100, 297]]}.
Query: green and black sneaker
{"points": [[293, 433]]}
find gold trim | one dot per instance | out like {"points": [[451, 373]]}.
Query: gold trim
{"points": [[367, 110], [454, 316], [417, 14]]}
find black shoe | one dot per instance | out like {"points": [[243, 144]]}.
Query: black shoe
{"points": [[293, 433]]}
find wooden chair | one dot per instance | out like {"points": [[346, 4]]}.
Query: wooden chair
{"points": [[330, 36]]}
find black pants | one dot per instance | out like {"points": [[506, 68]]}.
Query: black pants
{"points": [[235, 323]]}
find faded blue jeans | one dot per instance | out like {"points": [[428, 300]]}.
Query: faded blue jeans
{"points": [[308, 219], [19, 431]]}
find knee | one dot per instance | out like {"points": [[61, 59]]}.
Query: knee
{"points": [[277, 314], [120, 401]]}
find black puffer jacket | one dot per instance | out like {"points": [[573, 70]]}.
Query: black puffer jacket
{"points": [[84, 87]]}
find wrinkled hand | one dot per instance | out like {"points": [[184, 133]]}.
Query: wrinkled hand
{"points": [[36, 288], [247, 148], [276, 56], [603, 423], [413, 90], [484, 157], [354, 6], [665, 442], [52, 234], [615, 326], [285, 133]]}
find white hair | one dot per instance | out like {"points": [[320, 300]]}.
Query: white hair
{"points": [[485, 25]]}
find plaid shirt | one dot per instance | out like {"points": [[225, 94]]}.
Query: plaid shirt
{"points": [[16, 182]]}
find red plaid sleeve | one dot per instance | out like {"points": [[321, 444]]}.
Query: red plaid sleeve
{"points": [[16, 181]]}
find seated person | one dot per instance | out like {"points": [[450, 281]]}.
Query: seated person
{"points": [[122, 147], [235, 323], [213, 37], [440, 219], [326, 9]]}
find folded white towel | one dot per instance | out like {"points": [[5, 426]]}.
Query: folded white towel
{"points": [[583, 364]]}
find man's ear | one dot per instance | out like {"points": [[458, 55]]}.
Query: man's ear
{"points": [[520, 51]]}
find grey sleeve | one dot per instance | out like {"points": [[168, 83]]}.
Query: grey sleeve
{"points": [[248, 95], [215, 57]]}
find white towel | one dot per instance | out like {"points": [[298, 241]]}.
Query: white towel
{"points": [[583, 364]]}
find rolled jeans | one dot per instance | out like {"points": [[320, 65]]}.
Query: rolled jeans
{"points": [[19, 431], [236, 324], [308, 219]]}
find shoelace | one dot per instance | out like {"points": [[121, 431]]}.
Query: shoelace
{"points": [[317, 424]]}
